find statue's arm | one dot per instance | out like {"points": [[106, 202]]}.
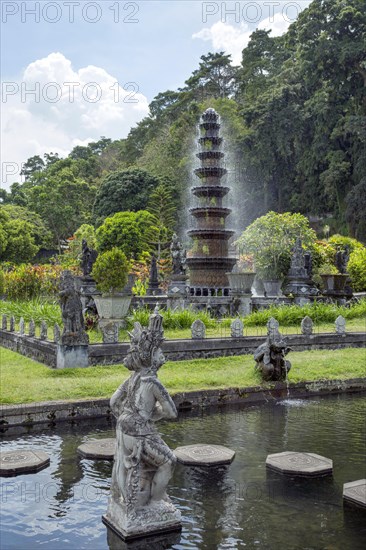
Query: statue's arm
{"points": [[118, 398], [167, 408]]}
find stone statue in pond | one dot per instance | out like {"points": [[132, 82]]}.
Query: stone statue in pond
{"points": [[88, 257], [72, 315], [143, 463], [270, 356]]}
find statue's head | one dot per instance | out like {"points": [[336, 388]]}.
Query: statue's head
{"points": [[145, 350], [66, 280]]}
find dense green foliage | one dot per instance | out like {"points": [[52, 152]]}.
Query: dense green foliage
{"points": [[357, 269], [17, 242], [27, 281], [271, 238], [128, 231], [318, 312], [123, 190], [111, 270]]}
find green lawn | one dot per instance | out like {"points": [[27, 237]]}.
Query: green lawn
{"points": [[25, 381]]}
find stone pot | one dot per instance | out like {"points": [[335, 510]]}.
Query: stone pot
{"points": [[241, 282], [112, 306], [334, 283], [115, 306], [272, 287]]}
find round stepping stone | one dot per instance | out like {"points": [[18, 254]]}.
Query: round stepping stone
{"points": [[103, 449], [204, 455], [300, 464], [355, 492], [22, 461]]}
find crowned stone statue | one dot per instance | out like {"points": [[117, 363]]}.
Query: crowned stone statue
{"points": [[72, 314], [143, 463], [178, 256]]}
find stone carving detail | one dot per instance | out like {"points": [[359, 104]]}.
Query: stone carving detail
{"points": [[56, 333], [198, 330], [299, 282], [72, 316], [178, 256], [270, 356], [88, 257], [307, 326], [109, 332], [153, 288], [4, 322], [43, 331], [12, 324], [237, 328], [32, 328], [143, 463], [340, 325], [21, 326]]}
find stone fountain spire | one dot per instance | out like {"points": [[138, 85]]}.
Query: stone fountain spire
{"points": [[209, 260]]}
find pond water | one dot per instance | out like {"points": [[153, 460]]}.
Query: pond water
{"points": [[239, 506]]}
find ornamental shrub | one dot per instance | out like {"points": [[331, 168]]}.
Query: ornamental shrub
{"points": [[111, 270], [26, 281], [342, 242], [270, 240], [357, 269]]}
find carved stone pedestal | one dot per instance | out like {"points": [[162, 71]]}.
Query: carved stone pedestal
{"points": [[72, 356], [241, 304], [161, 517]]}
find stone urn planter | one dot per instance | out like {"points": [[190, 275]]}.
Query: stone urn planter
{"points": [[241, 282], [116, 305], [272, 287], [335, 282]]}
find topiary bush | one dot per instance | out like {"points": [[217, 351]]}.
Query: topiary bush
{"points": [[357, 269], [110, 271]]}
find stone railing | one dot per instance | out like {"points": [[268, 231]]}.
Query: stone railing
{"points": [[198, 346]]}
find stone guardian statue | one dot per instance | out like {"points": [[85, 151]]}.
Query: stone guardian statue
{"points": [[143, 463]]}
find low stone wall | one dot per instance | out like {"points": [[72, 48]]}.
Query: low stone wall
{"points": [[20, 418], [179, 350], [206, 348], [40, 350]]}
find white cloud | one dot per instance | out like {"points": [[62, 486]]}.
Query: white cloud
{"points": [[233, 39], [227, 37], [68, 108], [278, 24]]}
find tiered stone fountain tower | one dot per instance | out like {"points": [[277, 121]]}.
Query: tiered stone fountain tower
{"points": [[209, 260]]}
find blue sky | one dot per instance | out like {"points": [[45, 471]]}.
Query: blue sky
{"points": [[153, 44]]}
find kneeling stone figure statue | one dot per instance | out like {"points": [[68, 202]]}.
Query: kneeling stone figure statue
{"points": [[143, 463]]}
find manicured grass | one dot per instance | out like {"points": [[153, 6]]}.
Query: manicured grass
{"points": [[25, 381]]}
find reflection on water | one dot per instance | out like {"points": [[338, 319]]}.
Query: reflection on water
{"points": [[238, 506]]}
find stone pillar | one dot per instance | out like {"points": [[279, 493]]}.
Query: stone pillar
{"points": [[307, 326], [198, 330], [340, 325], [32, 328], [56, 333], [21, 327], [12, 324], [43, 332], [237, 328], [4, 322]]}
